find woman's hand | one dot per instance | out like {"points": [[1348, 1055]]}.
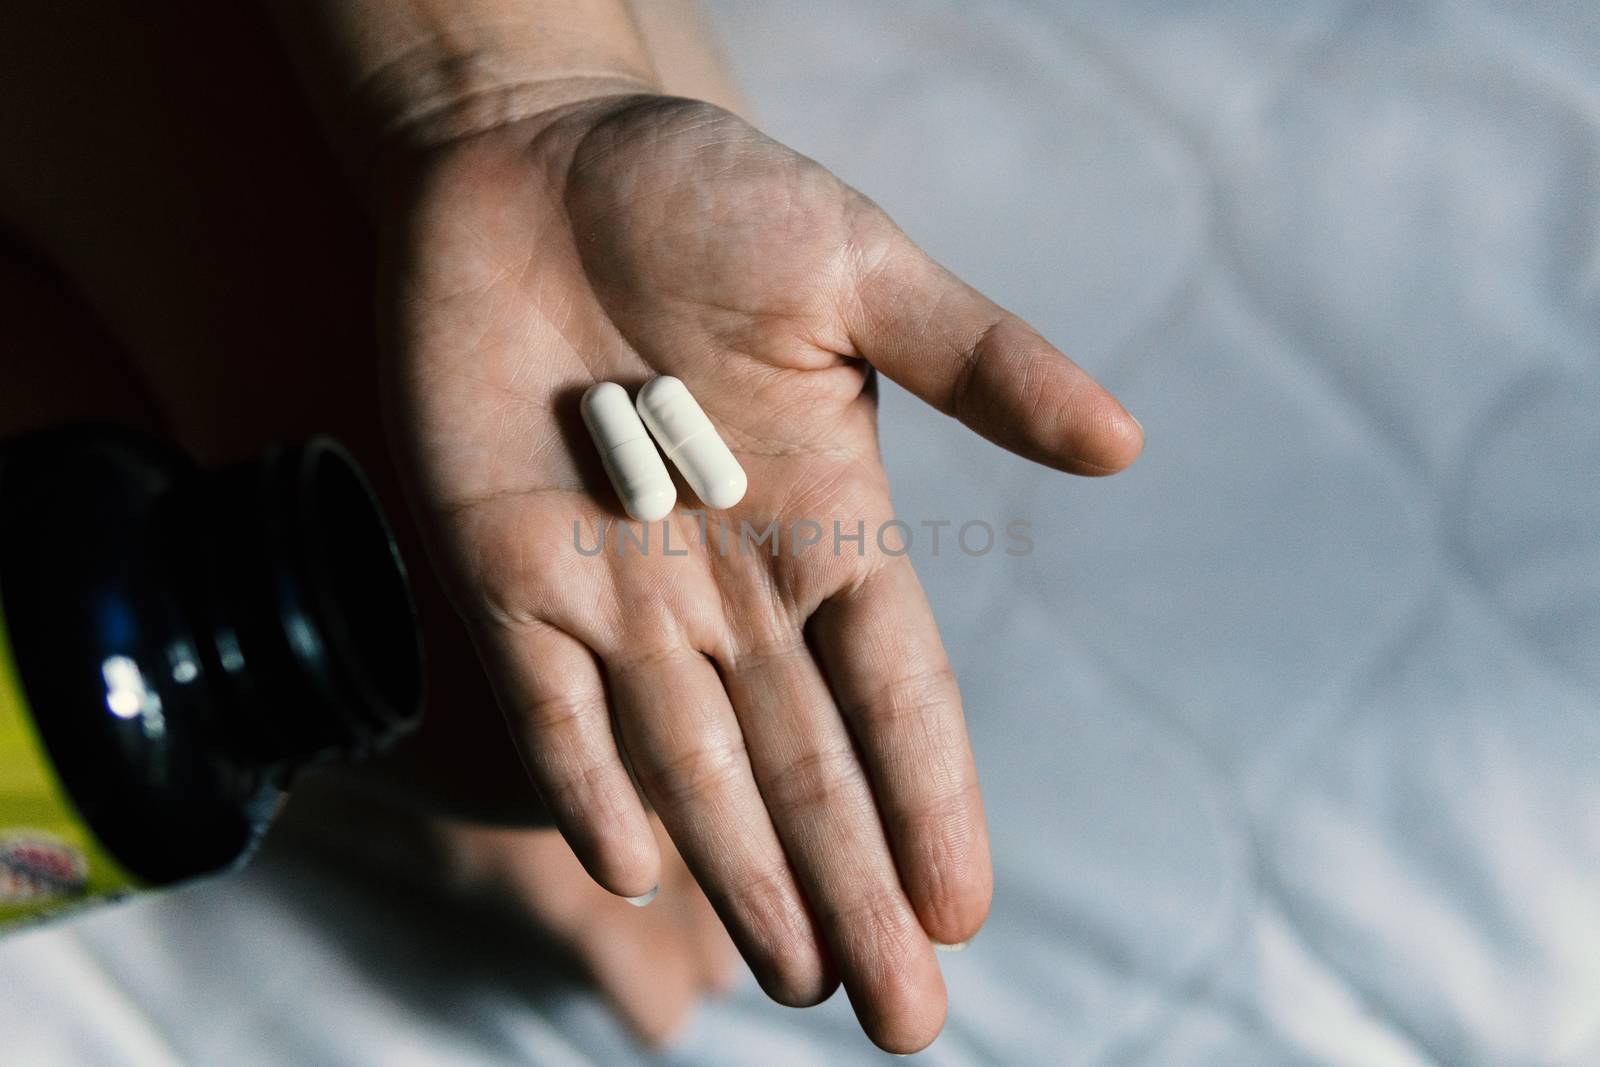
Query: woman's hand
{"points": [[792, 717]]}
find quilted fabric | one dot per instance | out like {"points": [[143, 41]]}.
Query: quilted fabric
{"points": [[1291, 734]]}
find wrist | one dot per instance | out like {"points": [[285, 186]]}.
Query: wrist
{"points": [[400, 81], [436, 116], [476, 149]]}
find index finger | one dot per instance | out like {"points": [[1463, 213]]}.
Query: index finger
{"points": [[894, 686]]}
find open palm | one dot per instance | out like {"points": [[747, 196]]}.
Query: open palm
{"points": [[792, 717]]}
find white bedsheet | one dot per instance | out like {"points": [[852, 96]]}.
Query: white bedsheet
{"points": [[1291, 734]]}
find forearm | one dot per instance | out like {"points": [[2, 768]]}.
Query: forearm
{"points": [[398, 76]]}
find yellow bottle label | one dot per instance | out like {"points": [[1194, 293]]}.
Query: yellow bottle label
{"points": [[48, 858]]}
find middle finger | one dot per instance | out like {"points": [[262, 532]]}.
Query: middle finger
{"points": [[689, 756], [825, 813]]}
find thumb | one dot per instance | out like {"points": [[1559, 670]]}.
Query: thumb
{"points": [[959, 351]]}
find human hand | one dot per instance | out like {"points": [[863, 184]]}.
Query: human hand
{"points": [[792, 718]]}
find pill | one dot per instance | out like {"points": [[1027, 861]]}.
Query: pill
{"points": [[630, 458], [686, 435]]}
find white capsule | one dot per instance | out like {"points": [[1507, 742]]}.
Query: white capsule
{"points": [[686, 435], [631, 461]]}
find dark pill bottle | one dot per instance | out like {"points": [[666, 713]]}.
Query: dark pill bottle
{"points": [[176, 645]]}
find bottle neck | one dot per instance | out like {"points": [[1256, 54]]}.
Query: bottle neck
{"points": [[300, 608]]}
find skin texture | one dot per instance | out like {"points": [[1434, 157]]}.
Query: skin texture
{"points": [[793, 719]]}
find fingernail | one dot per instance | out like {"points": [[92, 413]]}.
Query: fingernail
{"points": [[1136, 421], [643, 898], [959, 946]]}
